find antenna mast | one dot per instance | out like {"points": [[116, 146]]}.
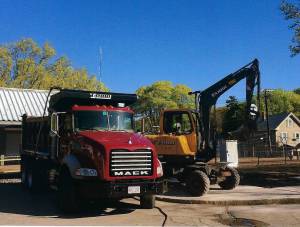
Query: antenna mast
{"points": [[100, 63]]}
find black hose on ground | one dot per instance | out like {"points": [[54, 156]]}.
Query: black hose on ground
{"points": [[160, 211], [164, 214]]}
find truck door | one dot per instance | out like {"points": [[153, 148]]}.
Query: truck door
{"points": [[61, 124]]}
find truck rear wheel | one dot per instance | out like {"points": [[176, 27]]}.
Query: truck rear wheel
{"points": [[23, 176], [34, 183], [67, 196], [197, 183], [30, 179], [232, 181], [147, 201]]}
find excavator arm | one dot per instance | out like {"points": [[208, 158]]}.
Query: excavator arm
{"points": [[207, 98]]}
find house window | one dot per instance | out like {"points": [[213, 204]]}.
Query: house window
{"points": [[297, 136], [283, 137], [289, 123]]}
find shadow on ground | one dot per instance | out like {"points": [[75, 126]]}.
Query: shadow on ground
{"points": [[16, 200], [270, 179], [271, 176], [178, 189]]}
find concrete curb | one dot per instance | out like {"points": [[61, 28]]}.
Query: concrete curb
{"points": [[291, 200]]}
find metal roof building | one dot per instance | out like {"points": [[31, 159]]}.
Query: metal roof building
{"points": [[15, 102]]}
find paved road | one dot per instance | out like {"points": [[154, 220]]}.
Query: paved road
{"points": [[18, 207]]}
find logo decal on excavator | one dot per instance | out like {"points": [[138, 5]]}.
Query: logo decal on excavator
{"points": [[164, 142], [232, 81], [218, 91]]}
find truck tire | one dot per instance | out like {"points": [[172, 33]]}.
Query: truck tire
{"points": [[147, 201], [30, 179], [23, 176], [232, 181], [66, 194], [33, 183], [197, 183]]}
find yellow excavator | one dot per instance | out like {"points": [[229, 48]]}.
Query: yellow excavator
{"points": [[187, 140]]}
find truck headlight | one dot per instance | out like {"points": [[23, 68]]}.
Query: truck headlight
{"points": [[159, 169], [86, 172]]}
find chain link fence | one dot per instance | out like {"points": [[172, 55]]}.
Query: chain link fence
{"points": [[262, 153]]}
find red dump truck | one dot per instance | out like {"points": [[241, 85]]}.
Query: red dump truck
{"points": [[85, 148]]}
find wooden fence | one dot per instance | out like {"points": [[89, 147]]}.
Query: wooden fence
{"points": [[8, 160]]}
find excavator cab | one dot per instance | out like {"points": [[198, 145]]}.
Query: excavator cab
{"points": [[178, 134]]}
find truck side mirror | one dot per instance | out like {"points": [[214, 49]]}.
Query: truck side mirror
{"points": [[54, 123]]}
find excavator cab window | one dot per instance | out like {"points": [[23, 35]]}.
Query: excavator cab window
{"points": [[177, 122]]}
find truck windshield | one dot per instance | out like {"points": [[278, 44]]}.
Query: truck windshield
{"points": [[103, 120]]}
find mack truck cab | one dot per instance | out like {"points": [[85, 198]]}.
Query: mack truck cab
{"points": [[86, 149]]}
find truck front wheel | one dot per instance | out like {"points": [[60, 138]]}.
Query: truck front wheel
{"points": [[147, 201], [197, 183], [67, 196], [231, 181]]}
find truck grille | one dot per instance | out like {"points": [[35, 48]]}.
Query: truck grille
{"points": [[130, 163]]}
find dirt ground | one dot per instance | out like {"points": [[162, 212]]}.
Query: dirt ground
{"points": [[270, 174]]}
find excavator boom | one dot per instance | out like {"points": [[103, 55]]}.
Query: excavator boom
{"points": [[207, 98]]}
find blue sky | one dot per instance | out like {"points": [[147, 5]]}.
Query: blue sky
{"points": [[190, 42]]}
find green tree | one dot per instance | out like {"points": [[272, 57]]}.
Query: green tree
{"points": [[291, 12], [220, 113], [161, 95], [283, 101], [233, 114], [24, 64], [297, 91], [5, 66]]}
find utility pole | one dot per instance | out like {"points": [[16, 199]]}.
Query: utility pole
{"points": [[267, 116]]}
